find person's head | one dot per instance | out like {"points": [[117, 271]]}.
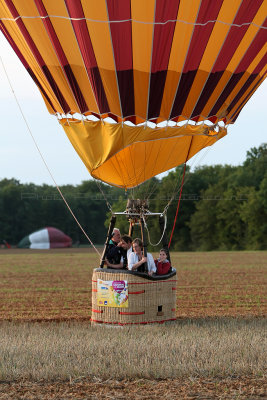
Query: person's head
{"points": [[116, 236], [126, 242], [137, 245], [163, 255]]}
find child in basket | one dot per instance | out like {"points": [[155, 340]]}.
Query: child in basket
{"points": [[162, 263]]}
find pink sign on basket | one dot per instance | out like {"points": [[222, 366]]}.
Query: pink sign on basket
{"points": [[118, 286]]}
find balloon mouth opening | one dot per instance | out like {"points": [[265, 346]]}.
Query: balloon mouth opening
{"points": [[154, 123]]}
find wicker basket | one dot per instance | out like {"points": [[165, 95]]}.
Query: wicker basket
{"points": [[150, 299]]}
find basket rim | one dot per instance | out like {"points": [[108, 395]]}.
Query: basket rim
{"points": [[140, 274]]}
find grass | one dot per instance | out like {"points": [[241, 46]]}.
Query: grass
{"points": [[210, 348], [215, 349]]}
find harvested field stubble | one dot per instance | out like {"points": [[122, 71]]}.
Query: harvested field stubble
{"points": [[207, 348], [204, 355], [56, 284]]}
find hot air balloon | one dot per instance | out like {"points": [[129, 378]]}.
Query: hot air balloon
{"points": [[138, 61], [186, 66], [46, 238]]}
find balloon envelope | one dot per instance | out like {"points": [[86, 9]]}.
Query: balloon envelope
{"points": [[47, 238], [139, 61]]}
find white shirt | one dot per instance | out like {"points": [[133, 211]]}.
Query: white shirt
{"points": [[129, 251], [133, 259]]}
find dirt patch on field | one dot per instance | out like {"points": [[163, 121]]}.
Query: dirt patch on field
{"points": [[56, 285], [194, 388]]}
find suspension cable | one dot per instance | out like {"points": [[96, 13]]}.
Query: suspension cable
{"points": [[173, 195], [178, 205], [42, 157], [148, 234], [103, 194]]}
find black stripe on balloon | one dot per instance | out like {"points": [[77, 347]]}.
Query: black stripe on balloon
{"points": [[184, 87], [235, 78], [157, 84], [126, 86], [254, 49], [56, 89], [98, 89], [75, 89], [211, 83], [253, 76], [33, 76], [242, 91], [239, 109]]}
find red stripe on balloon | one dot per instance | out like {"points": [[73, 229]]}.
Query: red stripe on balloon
{"points": [[255, 47], [38, 57], [249, 82], [121, 34], [253, 50], [62, 58], [165, 19], [25, 63], [239, 109], [119, 12], [208, 12], [75, 10], [162, 44], [245, 14]]}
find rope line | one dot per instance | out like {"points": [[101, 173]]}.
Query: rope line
{"points": [[103, 194], [134, 20], [173, 194], [175, 219], [148, 234], [195, 161], [39, 151]]}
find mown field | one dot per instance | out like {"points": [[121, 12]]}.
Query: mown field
{"points": [[215, 349], [56, 284]]}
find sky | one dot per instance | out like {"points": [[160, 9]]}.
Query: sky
{"points": [[20, 159]]}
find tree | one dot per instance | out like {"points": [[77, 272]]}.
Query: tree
{"points": [[254, 215]]}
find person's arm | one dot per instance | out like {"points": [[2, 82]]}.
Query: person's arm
{"points": [[132, 265], [139, 263], [167, 267], [130, 261], [151, 264], [111, 251], [116, 266]]}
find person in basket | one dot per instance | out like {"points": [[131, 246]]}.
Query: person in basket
{"points": [[136, 258], [162, 263]]}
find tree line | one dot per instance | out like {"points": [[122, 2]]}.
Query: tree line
{"points": [[222, 207]]}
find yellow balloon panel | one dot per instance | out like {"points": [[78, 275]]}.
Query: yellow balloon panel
{"points": [[126, 156]]}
